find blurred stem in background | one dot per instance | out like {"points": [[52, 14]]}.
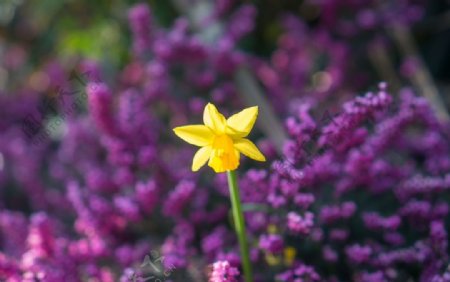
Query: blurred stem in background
{"points": [[421, 77]]}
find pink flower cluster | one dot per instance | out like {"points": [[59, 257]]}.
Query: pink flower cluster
{"points": [[358, 192]]}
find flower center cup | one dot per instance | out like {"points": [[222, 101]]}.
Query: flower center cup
{"points": [[224, 156]]}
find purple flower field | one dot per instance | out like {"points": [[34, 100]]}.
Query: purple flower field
{"points": [[353, 122]]}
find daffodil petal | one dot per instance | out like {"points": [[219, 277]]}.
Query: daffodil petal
{"points": [[234, 134], [244, 120], [213, 119], [198, 135], [249, 149], [201, 157]]}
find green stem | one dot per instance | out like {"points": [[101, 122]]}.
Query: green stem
{"points": [[239, 224]]}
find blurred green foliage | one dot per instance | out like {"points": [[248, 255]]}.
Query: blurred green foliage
{"points": [[74, 28]]}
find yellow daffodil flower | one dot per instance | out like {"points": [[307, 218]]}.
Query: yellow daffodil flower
{"points": [[221, 140], [289, 255]]}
